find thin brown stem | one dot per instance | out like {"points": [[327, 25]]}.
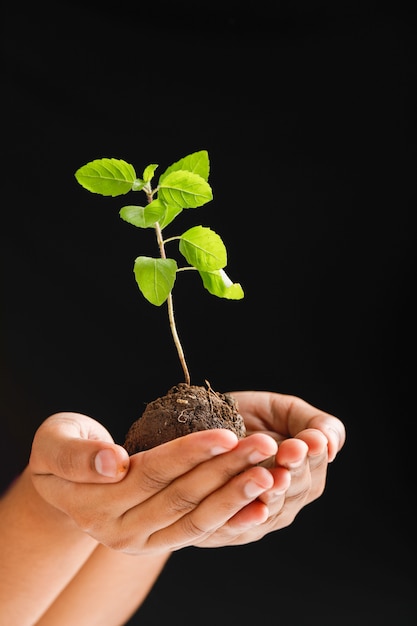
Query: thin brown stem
{"points": [[171, 315]]}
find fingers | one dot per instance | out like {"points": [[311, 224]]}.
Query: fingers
{"points": [[159, 466], [239, 498], [148, 510], [214, 511], [175, 477], [334, 431], [79, 449], [200, 501], [286, 416], [299, 477], [301, 464], [98, 509]]}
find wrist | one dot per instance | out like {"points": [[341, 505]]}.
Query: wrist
{"points": [[41, 513]]}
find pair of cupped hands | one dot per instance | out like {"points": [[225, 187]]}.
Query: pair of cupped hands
{"points": [[207, 489]]}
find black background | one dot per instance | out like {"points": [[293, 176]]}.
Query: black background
{"points": [[307, 110]]}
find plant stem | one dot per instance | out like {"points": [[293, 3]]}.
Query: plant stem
{"points": [[171, 316]]}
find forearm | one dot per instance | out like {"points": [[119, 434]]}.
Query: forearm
{"points": [[41, 550], [106, 591]]}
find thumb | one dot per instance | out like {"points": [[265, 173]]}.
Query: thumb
{"points": [[79, 449]]}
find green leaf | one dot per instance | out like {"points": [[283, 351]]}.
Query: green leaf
{"points": [[149, 172], [143, 217], [219, 284], [203, 248], [155, 278], [184, 190], [197, 162], [108, 177], [171, 213]]}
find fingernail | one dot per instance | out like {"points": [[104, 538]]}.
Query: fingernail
{"points": [[106, 464], [256, 457], [219, 450], [332, 452], [251, 524], [253, 490]]}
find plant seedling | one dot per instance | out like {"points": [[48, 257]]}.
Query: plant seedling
{"points": [[183, 185]]}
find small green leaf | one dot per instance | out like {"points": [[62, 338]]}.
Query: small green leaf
{"points": [[149, 172], [203, 248], [138, 184], [219, 284], [197, 162], [155, 278], [184, 190], [143, 217], [108, 177]]}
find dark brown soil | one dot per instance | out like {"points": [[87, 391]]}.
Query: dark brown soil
{"points": [[183, 410]]}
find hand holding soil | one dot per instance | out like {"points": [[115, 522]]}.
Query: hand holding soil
{"points": [[230, 497]]}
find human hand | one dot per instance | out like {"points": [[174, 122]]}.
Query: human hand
{"points": [[308, 440], [162, 499]]}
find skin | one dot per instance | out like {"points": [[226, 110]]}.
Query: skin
{"points": [[96, 527]]}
